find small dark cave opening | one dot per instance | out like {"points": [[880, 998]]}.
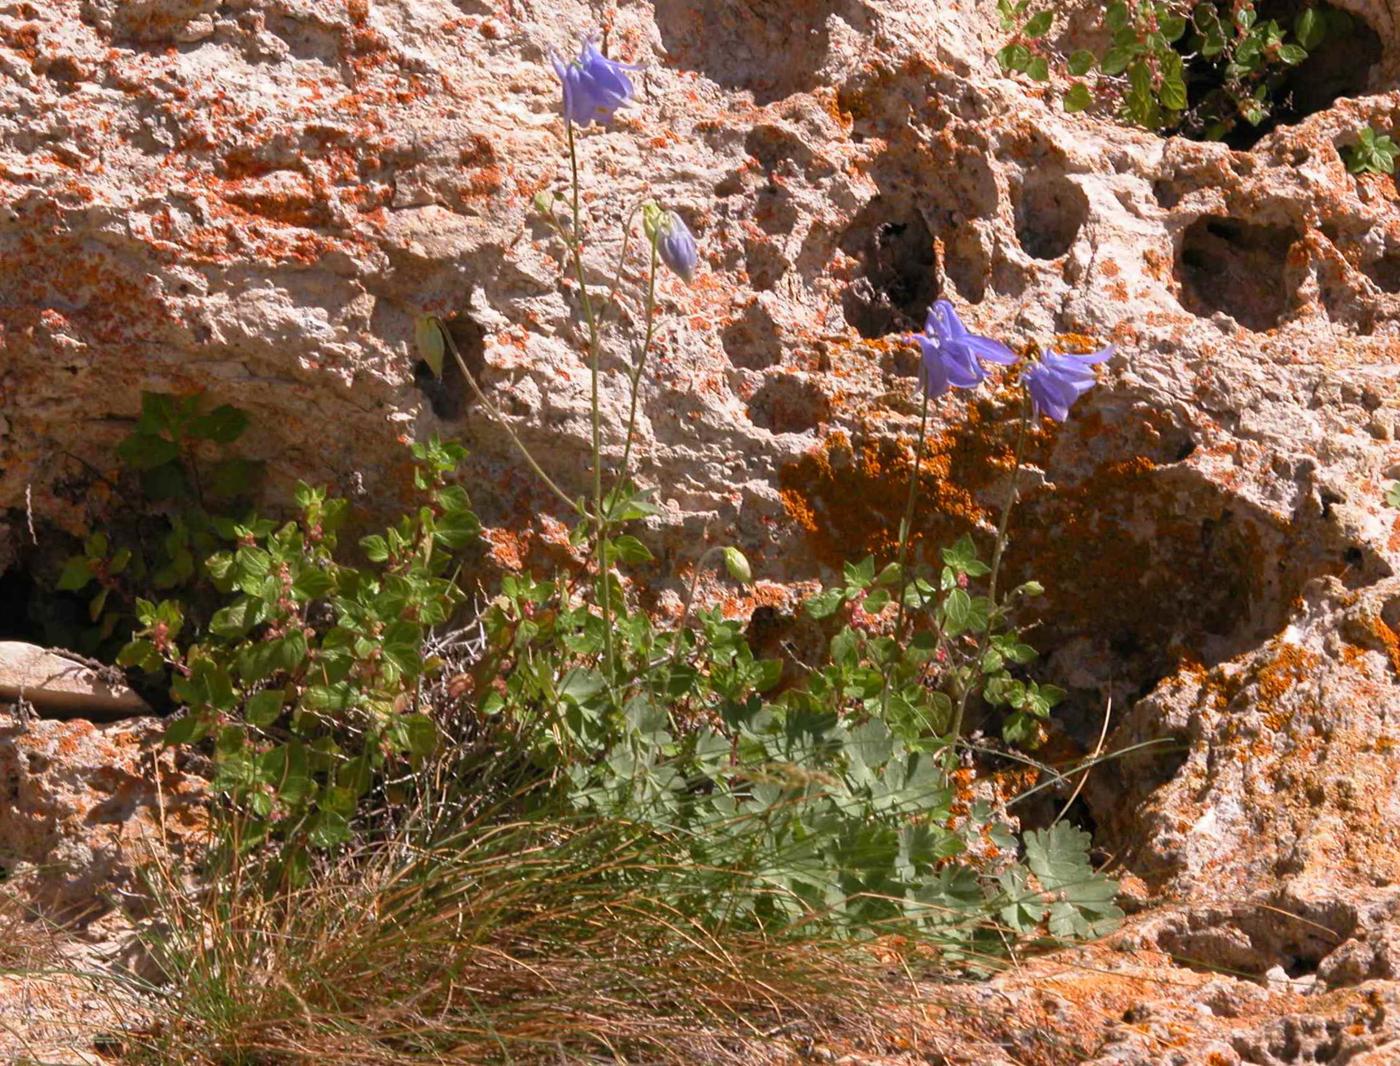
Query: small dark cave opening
{"points": [[16, 597], [450, 394], [31, 610], [1050, 211], [897, 281], [1227, 264]]}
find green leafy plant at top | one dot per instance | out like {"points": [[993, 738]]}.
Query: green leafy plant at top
{"points": [[1202, 69], [1373, 153], [187, 481], [307, 679], [1392, 494]]}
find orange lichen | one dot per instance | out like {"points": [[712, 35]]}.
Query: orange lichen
{"points": [[1278, 676], [849, 497], [1389, 639]]}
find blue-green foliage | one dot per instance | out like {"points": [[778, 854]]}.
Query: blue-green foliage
{"points": [[831, 787], [827, 787]]}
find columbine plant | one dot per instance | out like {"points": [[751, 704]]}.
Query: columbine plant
{"points": [[954, 357], [686, 729], [595, 88]]}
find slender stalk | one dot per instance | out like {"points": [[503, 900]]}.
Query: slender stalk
{"points": [[639, 364], [1010, 494], [997, 550], [679, 642], [600, 542], [621, 262], [906, 525], [495, 413], [906, 529]]}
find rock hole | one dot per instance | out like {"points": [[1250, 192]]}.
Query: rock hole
{"points": [[16, 595], [1236, 267], [751, 341], [1167, 193], [1049, 214], [450, 394], [31, 609], [789, 403], [896, 283], [774, 210], [1300, 966], [1385, 271]]}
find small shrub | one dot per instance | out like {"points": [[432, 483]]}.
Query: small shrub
{"points": [[1204, 69], [1373, 153], [184, 477], [307, 679]]}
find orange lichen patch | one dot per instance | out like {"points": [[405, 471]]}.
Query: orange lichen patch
{"points": [[1076, 343], [100, 295], [1278, 677], [541, 548], [1389, 640], [287, 197], [849, 497], [1154, 564]]}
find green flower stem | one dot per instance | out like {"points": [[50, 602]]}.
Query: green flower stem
{"points": [[1006, 509], [495, 413], [621, 260], [998, 549], [906, 525], [638, 365], [575, 242], [906, 529], [679, 643]]}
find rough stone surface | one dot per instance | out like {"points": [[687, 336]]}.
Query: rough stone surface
{"points": [[54, 683], [255, 198], [82, 806]]}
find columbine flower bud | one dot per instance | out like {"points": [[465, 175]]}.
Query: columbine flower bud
{"points": [[544, 203], [674, 243], [738, 566]]}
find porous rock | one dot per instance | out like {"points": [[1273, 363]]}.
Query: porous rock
{"points": [[83, 806], [261, 209]]}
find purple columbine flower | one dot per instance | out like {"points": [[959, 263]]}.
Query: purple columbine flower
{"points": [[594, 85], [1057, 380], [674, 243], [952, 356]]}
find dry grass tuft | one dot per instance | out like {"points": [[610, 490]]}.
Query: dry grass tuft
{"points": [[522, 942]]}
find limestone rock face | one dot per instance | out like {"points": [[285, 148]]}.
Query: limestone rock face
{"points": [[255, 198], [83, 805]]}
